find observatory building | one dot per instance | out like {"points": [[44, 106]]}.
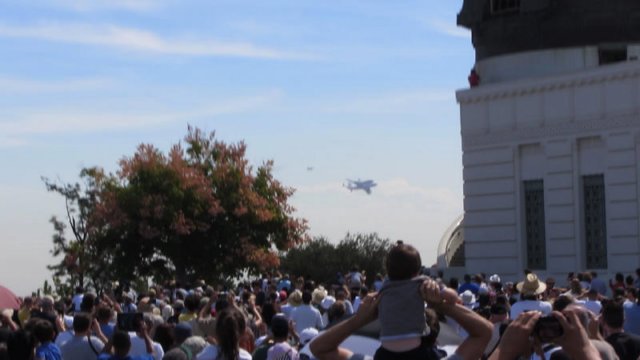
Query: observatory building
{"points": [[551, 139]]}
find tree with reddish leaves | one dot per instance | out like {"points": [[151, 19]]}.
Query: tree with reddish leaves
{"points": [[198, 212]]}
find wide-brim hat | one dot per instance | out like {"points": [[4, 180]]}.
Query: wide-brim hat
{"points": [[531, 285]]}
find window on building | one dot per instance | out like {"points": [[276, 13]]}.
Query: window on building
{"points": [[610, 55], [504, 6], [595, 221], [534, 224]]}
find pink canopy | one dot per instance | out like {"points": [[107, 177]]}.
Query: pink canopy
{"points": [[8, 300]]}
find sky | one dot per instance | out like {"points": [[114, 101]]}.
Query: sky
{"points": [[354, 89]]}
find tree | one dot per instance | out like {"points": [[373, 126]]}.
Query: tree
{"points": [[315, 259], [320, 260], [81, 263], [197, 213], [366, 251]]}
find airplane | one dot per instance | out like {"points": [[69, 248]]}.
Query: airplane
{"points": [[365, 185]]}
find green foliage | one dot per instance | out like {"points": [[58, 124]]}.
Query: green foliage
{"points": [[320, 260], [74, 238]]}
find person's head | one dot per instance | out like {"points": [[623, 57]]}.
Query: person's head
{"points": [[43, 331], [79, 290], [20, 345], [121, 343], [592, 294], [88, 303], [46, 303], [402, 262], [182, 332], [619, 277], [195, 344], [498, 313], [467, 278], [551, 282], [632, 294], [562, 302], [192, 302], [613, 315], [230, 327], [629, 281], [81, 324], [306, 297], [103, 314], [164, 336], [594, 275], [454, 283], [337, 312], [280, 327], [576, 287]]}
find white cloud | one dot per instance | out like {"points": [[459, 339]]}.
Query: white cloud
{"points": [[92, 120], [144, 41], [449, 29], [14, 85]]}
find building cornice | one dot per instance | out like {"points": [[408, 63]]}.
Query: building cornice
{"points": [[597, 75]]}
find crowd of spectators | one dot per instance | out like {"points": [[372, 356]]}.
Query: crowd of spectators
{"points": [[277, 315]]}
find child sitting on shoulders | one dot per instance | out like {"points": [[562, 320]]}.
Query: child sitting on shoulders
{"points": [[402, 309]]}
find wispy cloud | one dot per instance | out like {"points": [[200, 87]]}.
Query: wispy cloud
{"points": [[47, 122], [399, 102], [449, 29], [390, 188], [144, 41], [95, 5], [13, 85]]}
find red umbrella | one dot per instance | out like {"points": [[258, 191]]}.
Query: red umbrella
{"points": [[8, 300]]}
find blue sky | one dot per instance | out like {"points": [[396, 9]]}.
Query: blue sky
{"points": [[352, 88]]}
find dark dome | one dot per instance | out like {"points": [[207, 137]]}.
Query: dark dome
{"points": [[509, 26]]}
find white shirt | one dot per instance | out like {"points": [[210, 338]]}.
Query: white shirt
{"points": [[530, 305], [306, 316], [63, 337], [77, 300], [138, 347], [210, 352], [593, 305]]}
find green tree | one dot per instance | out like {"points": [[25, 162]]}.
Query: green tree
{"points": [[74, 237], [315, 259], [321, 260], [366, 251], [201, 212]]}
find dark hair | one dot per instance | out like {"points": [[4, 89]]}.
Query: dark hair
{"points": [[20, 345], [613, 314], [498, 309], [81, 322], [192, 302], [336, 312], [402, 262], [619, 277], [103, 313], [88, 303], [164, 336], [306, 297], [229, 329], [279, 326], [43, 331], [562, 302], [121, 342], [629, 280]]}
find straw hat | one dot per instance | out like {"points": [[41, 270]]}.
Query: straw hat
{"points": [[531, 285]]}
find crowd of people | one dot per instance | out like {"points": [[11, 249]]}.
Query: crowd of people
{"points": [[278, 317]]}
